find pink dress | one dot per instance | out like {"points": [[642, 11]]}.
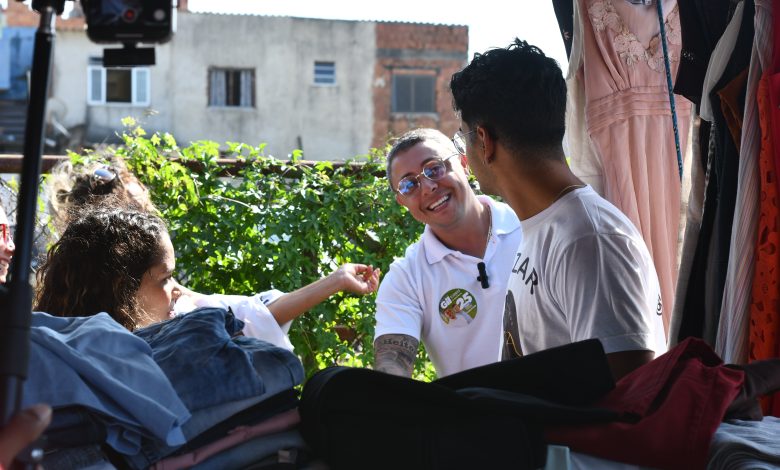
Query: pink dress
{"points": [[629, 121]]}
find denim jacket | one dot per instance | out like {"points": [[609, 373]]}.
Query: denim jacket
{"points": [[208, 364], [96, 363], [215, 370]]}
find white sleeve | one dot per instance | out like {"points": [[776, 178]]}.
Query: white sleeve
{"points": [[398, 308], [253, 311], [608, 288], [267, 298]]}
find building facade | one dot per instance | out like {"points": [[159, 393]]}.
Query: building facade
{"points": [[329, 87]]}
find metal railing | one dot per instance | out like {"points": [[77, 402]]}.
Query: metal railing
{"points": [[11, 163]]}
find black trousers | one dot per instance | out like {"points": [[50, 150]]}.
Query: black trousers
{"points": [[490, 417]]}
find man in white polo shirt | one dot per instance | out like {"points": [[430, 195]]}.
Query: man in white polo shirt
{"points": [[448, 291]]}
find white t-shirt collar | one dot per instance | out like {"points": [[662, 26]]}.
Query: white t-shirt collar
{"points": [[534, 221]]}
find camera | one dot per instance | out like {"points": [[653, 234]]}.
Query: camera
{"points": [[129, 21]]}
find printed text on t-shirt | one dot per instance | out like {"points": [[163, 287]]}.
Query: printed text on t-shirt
{"points": [[521, 267]]}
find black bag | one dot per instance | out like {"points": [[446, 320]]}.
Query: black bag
{"points": [[488, 417]]}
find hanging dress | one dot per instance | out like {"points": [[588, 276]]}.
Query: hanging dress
{"points": [[584, 160], [764, 324], [764, 337], [774, 92], [704, 294], [733, 332], [702, 24], [724, 268], [629, 121]]}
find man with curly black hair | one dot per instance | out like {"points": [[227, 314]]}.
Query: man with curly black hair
{"points": [[583, 270]]}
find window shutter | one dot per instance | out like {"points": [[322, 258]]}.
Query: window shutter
{"points": [[247, 88], [95, 85], [5, 62], [217, 88], [141, 86], [324, 73], [402, 93], [424, 96]]}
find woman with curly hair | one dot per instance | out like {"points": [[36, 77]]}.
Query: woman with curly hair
{"points": [[109, 260], [122, 262]]}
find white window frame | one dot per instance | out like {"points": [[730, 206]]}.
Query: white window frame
{"points": [[318, 64], [134, 101]]}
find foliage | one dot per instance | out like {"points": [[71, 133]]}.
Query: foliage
{"points": [[9, 198], [278, 224]]}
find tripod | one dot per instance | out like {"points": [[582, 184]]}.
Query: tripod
{"points": [[16, 296]]}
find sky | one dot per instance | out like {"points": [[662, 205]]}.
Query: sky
{"points": [[492, 23]]}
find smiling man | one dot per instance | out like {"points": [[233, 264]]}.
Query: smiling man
{"points": [[448, 290]]}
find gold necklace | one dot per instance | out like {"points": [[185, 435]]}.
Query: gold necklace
{"points": [[490, 230], [567, 188]]}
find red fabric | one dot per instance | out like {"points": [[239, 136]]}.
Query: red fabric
{"points": [[774, 87], [774, 118], [764, 336], [774, 126], [679, 398]]}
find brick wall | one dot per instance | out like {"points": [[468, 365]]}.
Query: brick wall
{"points": [[426, 49]]}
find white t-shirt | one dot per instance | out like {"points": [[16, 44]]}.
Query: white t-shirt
{"points": [[252, 310], [583, 272], [433, 295]]}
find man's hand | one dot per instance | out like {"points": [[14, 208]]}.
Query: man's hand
{"points": [[21, 431], [355, 278], [395, 354], [622, 363]]}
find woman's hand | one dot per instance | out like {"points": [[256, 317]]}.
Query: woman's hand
{"points": [[357, 278]]}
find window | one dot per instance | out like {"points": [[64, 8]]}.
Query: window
{"points": [[118, 85], [324, 73], [414, 93], [232, 87]]}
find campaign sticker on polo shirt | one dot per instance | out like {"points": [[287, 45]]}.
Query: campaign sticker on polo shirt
{"points": [[458, 307]]}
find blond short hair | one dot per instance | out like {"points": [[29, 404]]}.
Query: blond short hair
{"points": [[72, 188]]}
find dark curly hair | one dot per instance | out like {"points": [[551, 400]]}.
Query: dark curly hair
{"points": [[517, 94], [98, 263]]}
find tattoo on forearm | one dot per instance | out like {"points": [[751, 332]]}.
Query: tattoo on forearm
{"points": [[395, 354]]}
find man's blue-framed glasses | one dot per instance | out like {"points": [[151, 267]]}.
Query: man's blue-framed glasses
{"points": [[434, 170]]}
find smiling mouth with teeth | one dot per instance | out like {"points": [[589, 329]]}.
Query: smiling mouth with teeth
{"points": [[439, 202]]}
